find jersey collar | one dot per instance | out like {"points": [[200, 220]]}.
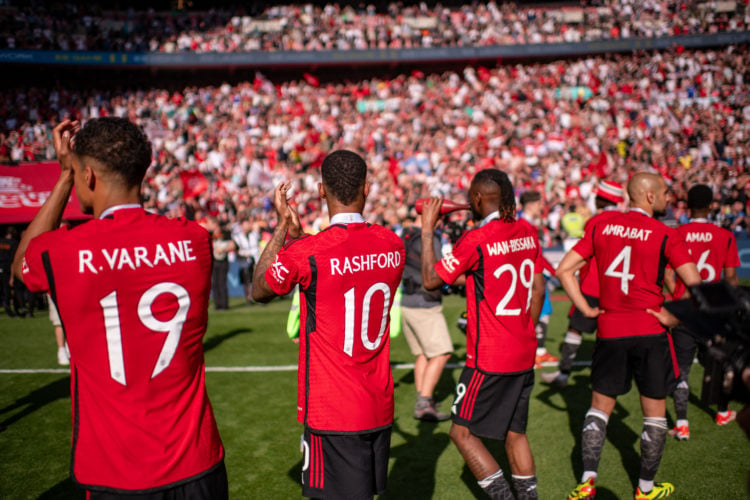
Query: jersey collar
{"points": [[347, 218], [640, 211], [494, 215], [700, 219], [111, 210]]}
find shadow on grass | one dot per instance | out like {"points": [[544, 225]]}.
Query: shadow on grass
{"points": [[36, 399], [63, 490], [577, 397], [216, 340]]}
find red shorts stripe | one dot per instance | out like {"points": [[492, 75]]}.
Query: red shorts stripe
{"points": [[321, 464], [673, 355], [471, 395]]}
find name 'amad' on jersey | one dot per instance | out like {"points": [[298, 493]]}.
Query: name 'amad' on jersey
{"points": [[632, 233], [117, 259]]}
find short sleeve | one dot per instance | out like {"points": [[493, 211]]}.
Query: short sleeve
{"points": [[733, 256], [455, 263], [34, 273], [585, 246], [676, 250], [287, 270]]}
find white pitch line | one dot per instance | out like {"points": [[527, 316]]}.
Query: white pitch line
{"points": [[254, 369]]}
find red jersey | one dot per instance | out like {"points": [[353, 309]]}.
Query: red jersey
{"points": [[631, 250], [132, 292], [348, 275], [712, 248], [500, 260], [588, 274]]}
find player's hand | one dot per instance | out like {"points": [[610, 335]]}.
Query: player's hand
{"points": [[665, 317], [431, 213], [63, 137], [280, 202], [591, 312]]}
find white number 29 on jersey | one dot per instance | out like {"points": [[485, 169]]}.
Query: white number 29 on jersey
{"points": [[172, 327], [622, 261], [526, 275]]}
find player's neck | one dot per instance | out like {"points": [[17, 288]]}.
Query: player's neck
{"points": [[115, 198], [643, 207]]}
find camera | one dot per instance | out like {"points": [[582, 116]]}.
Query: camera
{"points": [[718, 314]]}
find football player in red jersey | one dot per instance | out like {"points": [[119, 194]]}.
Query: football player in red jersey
{"points": [[348, 275], [502, 264], [608, 195], [631, 250], [131, 289], [714, 250]]}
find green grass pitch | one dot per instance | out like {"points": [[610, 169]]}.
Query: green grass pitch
{"points": [[257, 419]]}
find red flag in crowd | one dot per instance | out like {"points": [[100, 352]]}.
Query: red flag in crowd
{"points": [[193, 183], [311, 79]]}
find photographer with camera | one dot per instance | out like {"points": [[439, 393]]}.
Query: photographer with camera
{"points": [[714, 250], [425, 328]]}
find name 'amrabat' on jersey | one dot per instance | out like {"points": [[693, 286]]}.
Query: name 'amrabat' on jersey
{"points": [[499, 260], [348, 275], [132, 291], [632, 250]]}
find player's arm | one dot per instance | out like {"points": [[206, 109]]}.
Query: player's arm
{"points": [[669, 280], [689, 275], [49, 216], [287, 220], [537, 297], [430, 213], [730, 274], [566, 273]]}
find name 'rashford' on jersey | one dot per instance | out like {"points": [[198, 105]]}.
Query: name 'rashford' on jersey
{"points": [[348, 276], [132, 292], [712, 248], [500, 260], [632, 250]]}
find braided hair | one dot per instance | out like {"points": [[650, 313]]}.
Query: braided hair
{"points": [[495, 178]]}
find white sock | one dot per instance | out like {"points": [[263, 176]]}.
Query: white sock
{"points": [[681, 422], [588, 474], [645, 486]]}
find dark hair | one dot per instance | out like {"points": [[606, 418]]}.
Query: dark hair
{"points": [[344, 173], [530, 197], [700, 197], [507, 196], [118, 144]]}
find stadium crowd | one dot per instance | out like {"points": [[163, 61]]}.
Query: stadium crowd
{"points": [[81, 26], [553, 127]]}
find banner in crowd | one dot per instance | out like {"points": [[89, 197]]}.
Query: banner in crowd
{"points": [[193, 183], [24, 188]]}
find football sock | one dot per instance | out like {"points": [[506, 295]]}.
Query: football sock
{"points": [[496, 486], [541, 332], [525, 487], [592, 442], [653, 438], [568, 351], [681, 395]]}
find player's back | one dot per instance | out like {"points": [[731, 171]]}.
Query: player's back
{"points": [[712, 248], [632, 250], [500, 330], [355, 270], [588, 274], [132, 292]]}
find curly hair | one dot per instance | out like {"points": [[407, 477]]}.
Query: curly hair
{"points": [[118, 144], [495, 178], [344, 173]]}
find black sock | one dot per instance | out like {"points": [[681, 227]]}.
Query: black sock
{"points": [[653, 438]]}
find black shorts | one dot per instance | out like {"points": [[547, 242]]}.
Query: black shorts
{"points": [[491, 405], [576, 319], [209, 486], [647, 359], [345, 466]]}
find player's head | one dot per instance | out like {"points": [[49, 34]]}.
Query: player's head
{"points": [[344, 179], [492, 191], [649, 192], [609, 193], [117, 152], [699, 200], [531, 203]]}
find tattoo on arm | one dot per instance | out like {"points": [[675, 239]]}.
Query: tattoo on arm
{"points": [[261, 291]]}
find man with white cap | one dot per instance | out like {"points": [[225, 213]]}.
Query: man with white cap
{"points": [[608, 195]]}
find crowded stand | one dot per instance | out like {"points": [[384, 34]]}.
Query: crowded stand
{"points": [[554, 127], [306, 27]]}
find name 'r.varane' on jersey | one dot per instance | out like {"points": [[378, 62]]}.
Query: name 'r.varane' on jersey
{"points": [[366, 262], [632, 233], [514, 245], [117, 259]]}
